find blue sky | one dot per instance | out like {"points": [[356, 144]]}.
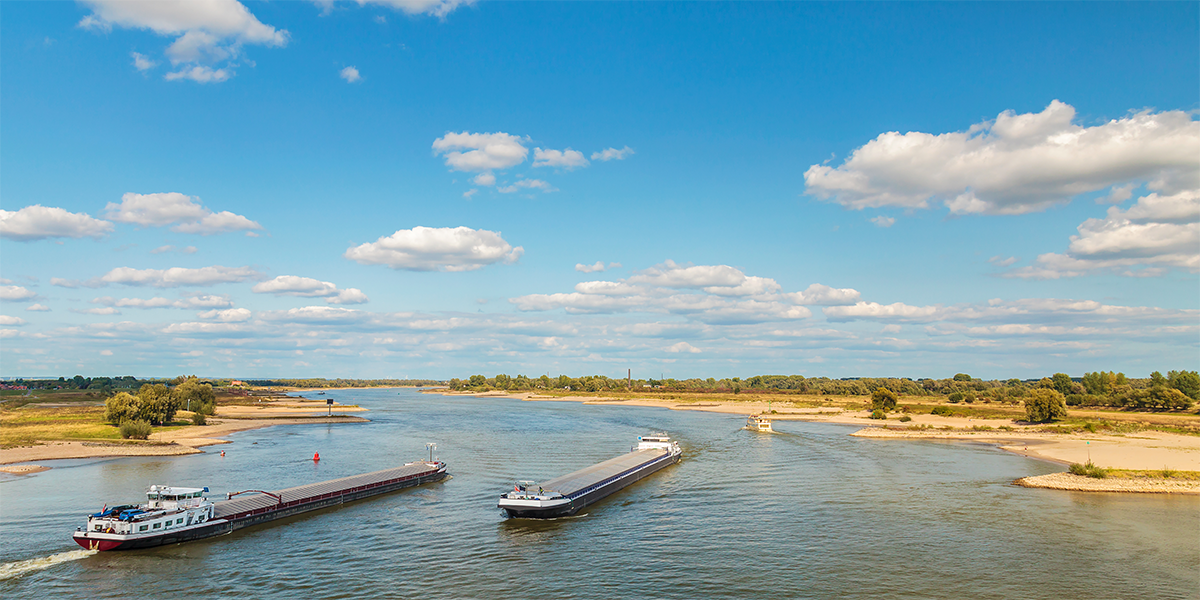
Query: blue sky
{"points": [[427, 188]]}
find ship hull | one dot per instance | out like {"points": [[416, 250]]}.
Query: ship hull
{"points": [[583, 501]]}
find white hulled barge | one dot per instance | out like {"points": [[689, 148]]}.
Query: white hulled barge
{"points": [[567, 495], [175, 514]]}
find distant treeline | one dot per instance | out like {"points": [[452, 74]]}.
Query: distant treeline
{"points": [[1177, 390], [109, 385]]}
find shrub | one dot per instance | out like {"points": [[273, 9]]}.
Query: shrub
{"points": [[905, 419], [1044, 405], [135, 429], [942, 410], [955, 398], [121, 407], [198, 419], [878, 414], [883, 399], [968, 398], [1089, 470]]}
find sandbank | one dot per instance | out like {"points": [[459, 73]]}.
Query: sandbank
{"points": [[1080, 483], [1143, 450]]}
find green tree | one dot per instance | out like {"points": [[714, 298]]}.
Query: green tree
{"points": [[1044, 405], [195, 396], [883, 399], [962, 377], [158, 405], [122, 407], [1062, 383], [1187, 382]]}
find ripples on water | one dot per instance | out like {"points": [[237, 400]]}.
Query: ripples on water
{"points": [[806, 513]]}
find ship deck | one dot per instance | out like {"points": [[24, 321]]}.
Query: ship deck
{"points": [[584, 478], [259, 503]]}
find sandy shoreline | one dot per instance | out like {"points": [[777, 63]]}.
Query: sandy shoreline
{"points": [[187, 440], [1144, 450]]}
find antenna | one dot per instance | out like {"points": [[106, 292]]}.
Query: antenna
{"points": [[431, 446]]}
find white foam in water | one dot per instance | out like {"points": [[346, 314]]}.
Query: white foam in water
{"points": [[21, 567]]}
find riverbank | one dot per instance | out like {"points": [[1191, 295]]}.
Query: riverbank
{"points": [[1141, 485], [178, 441], [1139, 450]]}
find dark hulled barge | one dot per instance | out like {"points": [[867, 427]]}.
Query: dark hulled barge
{"points": [[172, 515], [567, 495]]}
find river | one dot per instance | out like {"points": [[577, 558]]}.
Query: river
{"points": [[808, 512]]}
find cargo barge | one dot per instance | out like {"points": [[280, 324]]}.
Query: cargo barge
{"points": [[567, 495], [174, 514]]}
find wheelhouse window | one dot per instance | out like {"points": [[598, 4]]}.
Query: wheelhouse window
{"points": [[143, 527]]}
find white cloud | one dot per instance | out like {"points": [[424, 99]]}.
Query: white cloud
{"points": [[1156, 233], [141, 63], [108, 310], [471, 192], [484, 179], [351, 75], [565, 159], [883, 221], [199, 74], [210, 32], [537, 184], [874, 310], [1118, 194], [1000, 261], [170, 248], [436, 249], [1017, 164], [232, 315], [612, 154], [106, 353], [161, 209], [599, 267], [190, 302], [893, 328], [179, 276], [12, 321], [39, 222], [306, 287], [16, 293], [683, 347], [673, 275], [823, 295], [436, 8], [38, 308], [483, 151]]}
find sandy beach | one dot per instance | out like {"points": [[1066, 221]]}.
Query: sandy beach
{"points": [[1143, 450], [186, 440]]}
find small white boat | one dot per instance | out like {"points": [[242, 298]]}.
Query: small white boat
{"points": [[759, 423]]}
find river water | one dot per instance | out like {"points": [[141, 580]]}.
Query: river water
{"points": [[806, 513]]}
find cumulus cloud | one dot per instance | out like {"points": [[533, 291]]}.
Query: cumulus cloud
{"points": [[484, 179], [210, 32], [38, 308], [306, 287], [480, 151], [185, 212], [564, 159], [141, 63], [599, 267], [1157, 233], [170, 248], [436, 8], [14, 293], [1016, 164], [823, 295], [179, 276], [437, 249], [11, 321], [39, 222], [108, 310], [471, 192], [232, 315], [883, 221], [612, 154], [716, 294], [527, 184], [683, 347], [190, 302], [351, 75]]}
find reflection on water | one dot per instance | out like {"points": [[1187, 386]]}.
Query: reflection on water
{"points": [[806, 512]]}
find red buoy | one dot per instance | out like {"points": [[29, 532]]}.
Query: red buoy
{"points": [[316, 456]]}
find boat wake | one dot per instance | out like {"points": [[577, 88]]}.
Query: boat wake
{"points": [[16, 569]]}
